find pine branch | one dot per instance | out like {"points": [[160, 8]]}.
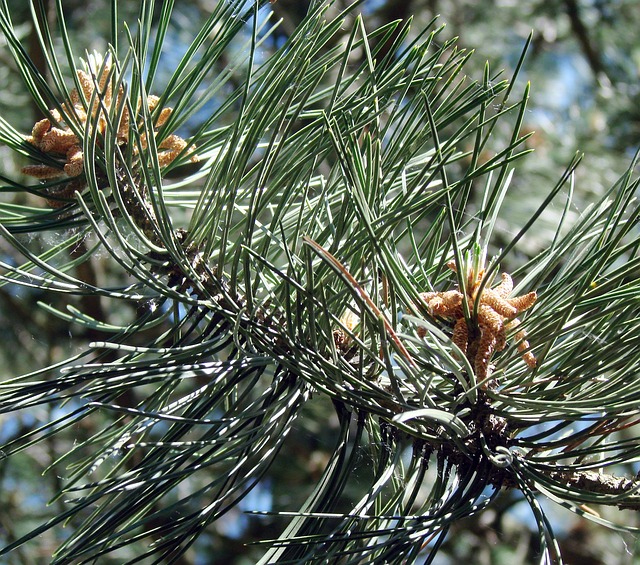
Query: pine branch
{"points": [[308, 257], [601, 483]]}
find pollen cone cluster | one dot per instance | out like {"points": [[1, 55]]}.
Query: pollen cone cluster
{"points": [[95, 105], [495, 315]]}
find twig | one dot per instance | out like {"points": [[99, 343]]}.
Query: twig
{"points": [[592, 55]]}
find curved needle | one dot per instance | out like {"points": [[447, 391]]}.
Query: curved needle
{"points": [[342, 270]]}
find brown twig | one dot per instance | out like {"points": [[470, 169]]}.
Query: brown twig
{"points": [[370, 303]]}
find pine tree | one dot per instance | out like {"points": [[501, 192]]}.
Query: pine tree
{"points": [[318, 251]]}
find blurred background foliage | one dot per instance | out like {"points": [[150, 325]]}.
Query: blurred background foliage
{"points": [[583, 65]]}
